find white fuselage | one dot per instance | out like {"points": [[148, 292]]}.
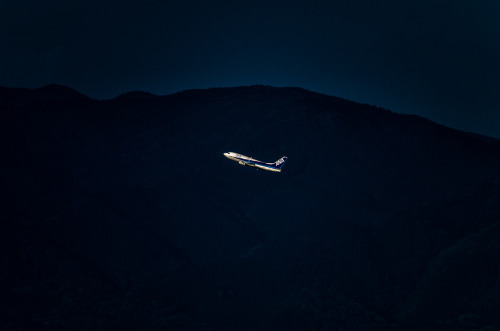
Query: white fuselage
{"points": [[251, 162]]}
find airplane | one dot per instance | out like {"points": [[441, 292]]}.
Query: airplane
{"points": [[250, 162]]}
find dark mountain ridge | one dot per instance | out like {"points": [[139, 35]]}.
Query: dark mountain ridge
{"points": [[137, 95], [124, 213], [51, 92]]}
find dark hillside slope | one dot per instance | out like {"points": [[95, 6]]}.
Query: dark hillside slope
{"points": [[124, 214]]}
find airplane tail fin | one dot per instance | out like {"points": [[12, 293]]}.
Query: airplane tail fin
{"points": [[278, 164]]}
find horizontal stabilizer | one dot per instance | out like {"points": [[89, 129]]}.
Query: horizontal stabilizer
{"points": [[278, 164]]}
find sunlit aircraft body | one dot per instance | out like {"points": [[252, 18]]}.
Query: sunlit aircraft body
{"points": [[250, 162]]}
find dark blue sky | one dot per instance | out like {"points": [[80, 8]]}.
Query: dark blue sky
{"points": [[438, 59]]}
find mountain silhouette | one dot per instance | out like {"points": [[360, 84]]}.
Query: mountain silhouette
{"points": [[51, 92], [137, 95], [124, 213]]}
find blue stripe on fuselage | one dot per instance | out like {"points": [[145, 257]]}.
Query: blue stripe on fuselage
{"points": [[251, 162]]}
